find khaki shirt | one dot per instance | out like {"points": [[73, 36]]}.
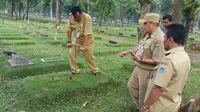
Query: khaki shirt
{"points": [[151, 47], [171, 74], [80, 29]]}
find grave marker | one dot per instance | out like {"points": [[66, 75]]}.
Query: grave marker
{"points": [[9, 52], [112, 42], [43, 35], [19, 60], [52, 59], [121, 34]]}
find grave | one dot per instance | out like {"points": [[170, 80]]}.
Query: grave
{"points": [[52, 59], [133, 35], [121, 34], [112, 42], [191, 39], [43, 35], [101, 31], [19, 60], [9, 52]]}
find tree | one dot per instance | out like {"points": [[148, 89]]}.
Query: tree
{"points": [[177, 10], [165, 6], [190, 9], [146, 5], [58, 13]]}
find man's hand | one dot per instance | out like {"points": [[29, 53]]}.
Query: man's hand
{"points": [[82, 48], [122, 54], [69, 45], [135, 57]]}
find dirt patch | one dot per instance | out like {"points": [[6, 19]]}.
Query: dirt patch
{"points": [[194, 57]]}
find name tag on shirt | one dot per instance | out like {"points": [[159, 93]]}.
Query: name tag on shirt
{"points": [[78, 35]]}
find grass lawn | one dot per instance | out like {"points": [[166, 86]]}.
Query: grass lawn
{"points": [[45, 87]]}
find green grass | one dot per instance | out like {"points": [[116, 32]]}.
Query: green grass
{"points": [[17, 42], [45, 87]]}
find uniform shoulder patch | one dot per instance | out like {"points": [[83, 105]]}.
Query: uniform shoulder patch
{"points": [[162, 69]]}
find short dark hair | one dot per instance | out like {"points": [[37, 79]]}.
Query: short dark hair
{"points": [[177, 32], [169, 17], [75, 9]]}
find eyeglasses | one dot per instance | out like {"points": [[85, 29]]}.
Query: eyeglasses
{"points": [[145, 23]]}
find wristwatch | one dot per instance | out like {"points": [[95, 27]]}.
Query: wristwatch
{"points": [[145, 107], [141, 60]]}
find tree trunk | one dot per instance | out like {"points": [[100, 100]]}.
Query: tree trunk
{"points": [[187, 28], [51, 10], [13, 8], [44, 11], [177, 10], [102, 12], [58, 13], [146, 6], [27, 10], [88, 6], [122, 15], [20, 10]]}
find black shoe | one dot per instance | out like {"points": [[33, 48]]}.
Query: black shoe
{"points": [[97, 73], [71, 73], [137, 110]]}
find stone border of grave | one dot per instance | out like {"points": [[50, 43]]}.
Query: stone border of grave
{"points": [[52, 59], [19, 60], [32, 31], [11, 64]]}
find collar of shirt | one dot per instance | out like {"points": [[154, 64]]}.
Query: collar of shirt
{"points": [[153, 34], [174, 50]]}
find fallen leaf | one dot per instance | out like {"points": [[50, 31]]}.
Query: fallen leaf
{"points": [[45, 89], [115, 92], [84, 105]]}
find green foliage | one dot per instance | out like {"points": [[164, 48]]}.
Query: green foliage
{"points": [[165, 6], [190, 7]]}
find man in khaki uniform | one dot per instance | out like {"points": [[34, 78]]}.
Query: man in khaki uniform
{"points": [[165, 86], [81, 24], [150, 52]]}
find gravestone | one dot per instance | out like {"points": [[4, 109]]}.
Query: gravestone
{"points": [[133, 35], [52, 59], [19, 60], [191, 39], [121, 34], [9, 52], [43, 35], [101, 31], [55, 37], [112, 42]]}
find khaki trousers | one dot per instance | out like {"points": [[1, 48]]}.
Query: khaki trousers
{"points": [[88, 54], [137, 85]]}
